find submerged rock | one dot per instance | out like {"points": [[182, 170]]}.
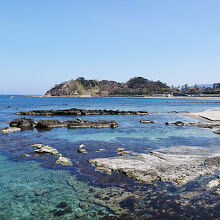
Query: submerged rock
{"points": [[9, 130], [59, 213], [41, 192], [62, 205], [25, 155], [116, 199], [64, 161], [74, 111], [164, 166]]}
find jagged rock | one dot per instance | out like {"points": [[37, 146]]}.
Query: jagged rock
{"points": [[148, 168], [9, 130], [74, 111], [147, 121], [64, 161], [23, 123]]}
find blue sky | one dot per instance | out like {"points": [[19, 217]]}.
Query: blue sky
{"points": [[45, 42]]}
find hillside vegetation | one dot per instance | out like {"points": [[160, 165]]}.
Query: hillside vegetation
{"points": [[137, 86]]}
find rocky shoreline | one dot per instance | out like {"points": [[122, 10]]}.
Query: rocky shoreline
{"points": [[75, 111]]}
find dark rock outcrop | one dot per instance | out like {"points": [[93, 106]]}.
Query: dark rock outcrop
{"points": [[75, 111], [92, 124], [44, 125], [22, 123], [147, 121], [49, 124], [196, 124]]}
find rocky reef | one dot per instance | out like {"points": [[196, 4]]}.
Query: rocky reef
{"points": [[22, 123], [42, 125], [75, 111], [204, 124], [173, 165]]}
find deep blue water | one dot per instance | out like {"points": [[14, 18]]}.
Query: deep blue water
{"points": [[33, 188]]}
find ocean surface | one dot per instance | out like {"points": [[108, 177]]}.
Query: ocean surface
{"points": [[37, 188]]}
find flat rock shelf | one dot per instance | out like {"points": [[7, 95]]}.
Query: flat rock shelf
{"points": [[75, 111]]}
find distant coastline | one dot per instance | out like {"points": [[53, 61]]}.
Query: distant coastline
{"points": [[132, 97]]}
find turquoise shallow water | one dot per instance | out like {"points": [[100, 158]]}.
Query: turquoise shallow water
{"points": [[36, 188]]}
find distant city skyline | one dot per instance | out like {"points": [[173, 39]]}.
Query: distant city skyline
{"points": [[43, 43]]}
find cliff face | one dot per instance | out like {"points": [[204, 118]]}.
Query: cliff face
{"points": [[135, 86]]}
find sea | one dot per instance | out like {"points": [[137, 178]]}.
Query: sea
{"points": [[36, 187]]}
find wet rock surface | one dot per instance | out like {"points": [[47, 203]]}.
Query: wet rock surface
{"points": [[9, 130], [64, 161], [23, 123], [75, 111], [196, 124], [44, 125], [164, 166], [217, 131], [46, 149]]}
